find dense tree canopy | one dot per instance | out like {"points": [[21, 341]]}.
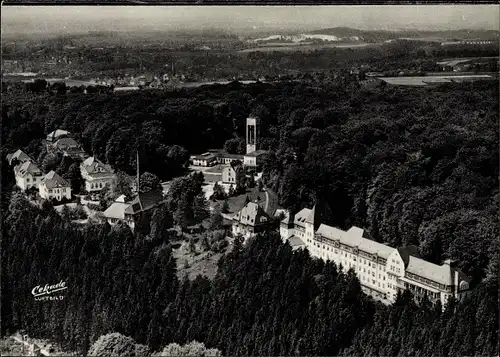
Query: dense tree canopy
{"points": [[410, 165]]}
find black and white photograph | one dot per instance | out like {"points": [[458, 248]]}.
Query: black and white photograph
{"points": [[214, 181]]}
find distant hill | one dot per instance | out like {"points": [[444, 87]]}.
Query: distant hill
{"points": [[378, 35], [343, 34]]}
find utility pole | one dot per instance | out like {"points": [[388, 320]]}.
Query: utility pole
{"points": [[138, 175]]}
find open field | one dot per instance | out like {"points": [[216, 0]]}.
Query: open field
{"points": [[194, 264], [425, 80], [307, 48]]}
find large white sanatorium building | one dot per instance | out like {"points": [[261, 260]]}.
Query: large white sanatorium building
{"points": [[381, 269]]}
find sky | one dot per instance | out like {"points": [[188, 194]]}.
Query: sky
{"points": [[69, 19]]}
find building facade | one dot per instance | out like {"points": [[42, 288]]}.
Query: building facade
{"points": [[231, 171], [96, 174], [55, 187], [28, 175], [382, 270], [205, 159], [250, 220]]}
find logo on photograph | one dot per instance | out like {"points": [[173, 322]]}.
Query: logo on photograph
{"points": [[49, 292]]}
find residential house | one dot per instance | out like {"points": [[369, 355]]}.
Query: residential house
{"points": [[54, 186], [206, 159], [19, 156], [224, 157], [27, 175], [116, 212], [143, 204], [230, 171], [96, 174], [69, 147], [250, 220]]}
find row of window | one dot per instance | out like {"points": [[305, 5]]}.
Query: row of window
{"points": [[425, 281], [92, 186], [57, 190]]}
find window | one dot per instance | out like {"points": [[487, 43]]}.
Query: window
{"points": [[373, 282], [364, 270], [373, 273], [336, 251], [27, 179], [50, 191]]}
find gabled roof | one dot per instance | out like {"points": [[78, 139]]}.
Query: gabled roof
{"points": [[252, 215], [53, 180], [144, 201], [441, 274], [27, 167], [18, 155], [117, 209], [406, 251], [372, 247], [351, 238], [57, 133], [301, 217], [92, 166]]}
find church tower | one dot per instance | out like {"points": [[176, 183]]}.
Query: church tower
{"points": [[251, 134]]}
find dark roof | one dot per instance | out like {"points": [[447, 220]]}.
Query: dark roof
{"points": [[27, 167], [222, 154], [93, 166], [144, 201], [53, 180], [406, 251], [252, 215], [204, 156]]}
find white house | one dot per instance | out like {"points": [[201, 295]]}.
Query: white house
{"points": [[27, 175], [96, 174], [382, 270], [229, 172], [116, 212], [250, 220], [206, 159], [54, 186]]}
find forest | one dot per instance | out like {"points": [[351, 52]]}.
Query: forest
{"points": [[410, 165]]}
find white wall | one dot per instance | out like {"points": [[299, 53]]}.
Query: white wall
{"points": [[57, 193]]}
